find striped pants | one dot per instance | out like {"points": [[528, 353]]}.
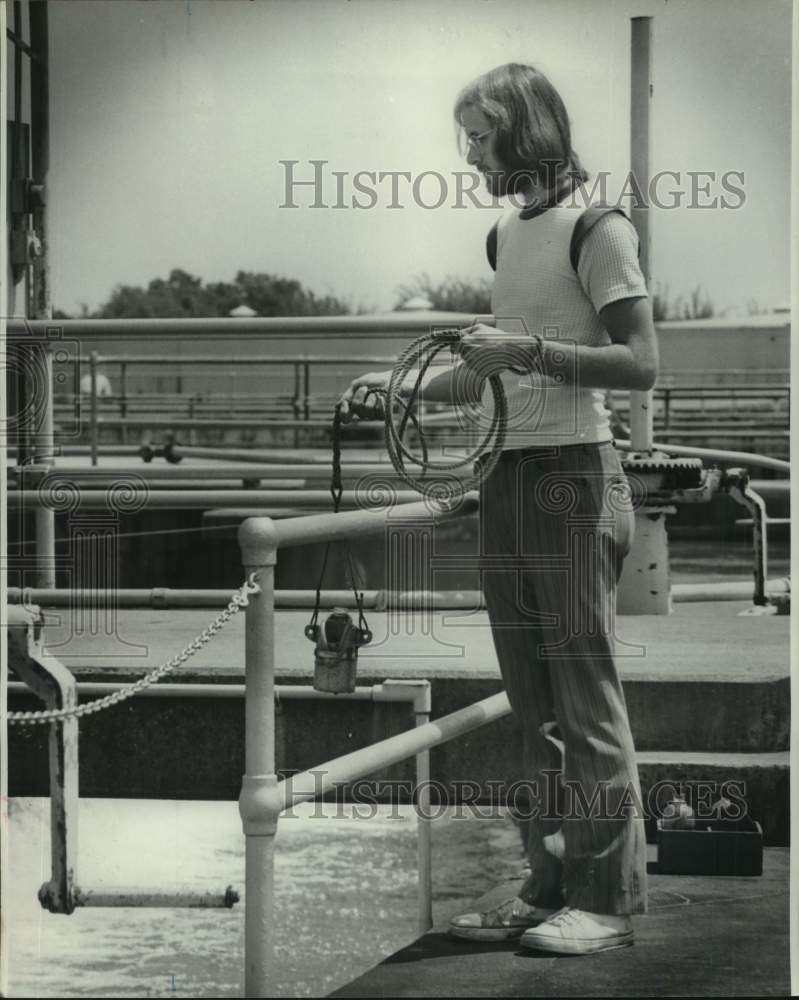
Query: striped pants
{"points": [[556, 524]]}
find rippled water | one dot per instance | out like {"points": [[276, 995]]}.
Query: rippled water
{"points": [[345, 895]]}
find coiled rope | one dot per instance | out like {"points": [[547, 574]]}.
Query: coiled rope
{"points": [[437, 479]]}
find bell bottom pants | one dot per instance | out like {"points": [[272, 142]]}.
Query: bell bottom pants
{"points": [[556, 524]]}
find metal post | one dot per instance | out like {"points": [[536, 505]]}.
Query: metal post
{"points": [[76, 400], [123, 393], [40, 155], [739, 489], [424, 844], [57, 687], [43, 451], [641, 430], [259, 802], [307, 391], [93, 430], [40, 298]]}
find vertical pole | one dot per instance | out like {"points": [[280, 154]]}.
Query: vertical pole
{"points": [[76, 401], [93, 430], [123, 392], [41, 307], [42, 360], [307, 375], [40, 153], [641, 409], [5, 310], [423, 832], [259, 801]]}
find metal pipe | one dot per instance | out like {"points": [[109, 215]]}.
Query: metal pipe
{"points": [[41, 309], [193, 900], [399, 691], [40, 157], [265, 455], [84, 449], [641, 409], [244, 359], [263, 327], [740, 490], [232, 472], [720, 455], [359, 523], [43, 453], [123, 389], [728, 590], [423, 830], [180, 500], [164, 597], [356, 765], [94, 436], [377, 600], [233, 423], [258, 801]]}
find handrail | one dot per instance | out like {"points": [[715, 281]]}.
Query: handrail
{"points": [[359, 523], [135, 498], [262, 798], [164, 598], [264, 327], [359, 763], [240, 359]]}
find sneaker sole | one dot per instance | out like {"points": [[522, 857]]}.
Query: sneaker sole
{"points": [[487, 933], [554, 947]]}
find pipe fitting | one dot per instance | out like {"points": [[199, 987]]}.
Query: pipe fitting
{"points": [[260, 805], [59, 898], [419, 692], [258, 541]]}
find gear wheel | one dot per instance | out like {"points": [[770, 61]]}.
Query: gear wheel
{"points": [[673, 473]]}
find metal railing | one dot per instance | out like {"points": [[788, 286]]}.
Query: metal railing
{"points": [[302, 404], [263, 798]]}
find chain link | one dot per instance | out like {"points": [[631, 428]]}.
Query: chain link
{"points": [[239, 600]]}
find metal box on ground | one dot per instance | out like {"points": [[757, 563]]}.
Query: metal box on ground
{"points": [[711, 847]]}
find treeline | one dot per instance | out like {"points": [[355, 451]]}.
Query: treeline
{"points": [[182, 294]]}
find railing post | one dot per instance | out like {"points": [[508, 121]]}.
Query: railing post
{"points": [[123, 393], [738, 487], [259, 802], [424, 843], [43, 454], [93, 434], [57, 687]]}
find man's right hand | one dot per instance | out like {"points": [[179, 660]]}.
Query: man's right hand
{"points": [[360, 399]]}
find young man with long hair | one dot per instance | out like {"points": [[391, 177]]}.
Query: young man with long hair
{"points": [[573, 319]]}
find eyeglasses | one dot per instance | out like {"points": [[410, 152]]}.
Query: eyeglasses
{"points": [[476, 141]]}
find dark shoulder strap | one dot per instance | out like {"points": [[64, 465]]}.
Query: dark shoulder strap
{"points": [[585, 224], [491, 246]]}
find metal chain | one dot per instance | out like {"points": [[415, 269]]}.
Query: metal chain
{"points": [[239, 600]]}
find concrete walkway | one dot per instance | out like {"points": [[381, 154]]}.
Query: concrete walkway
{"points": [[706, 641], [702, 937]]}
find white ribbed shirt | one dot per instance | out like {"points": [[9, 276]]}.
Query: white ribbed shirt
{"points": [[536, 291]]}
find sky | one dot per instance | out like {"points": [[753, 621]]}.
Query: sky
{"points": [[171, 119]]}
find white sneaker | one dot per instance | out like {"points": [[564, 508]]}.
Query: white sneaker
{"points": [[576, 932]]}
